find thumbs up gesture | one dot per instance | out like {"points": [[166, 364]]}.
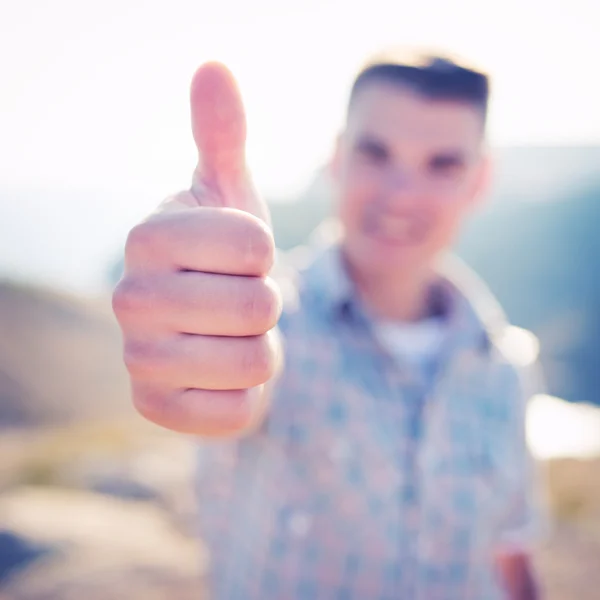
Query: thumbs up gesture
{"points": [[195, 304]]}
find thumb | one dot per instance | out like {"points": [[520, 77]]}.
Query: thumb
{"points": [[219, 129], [218, 122]]}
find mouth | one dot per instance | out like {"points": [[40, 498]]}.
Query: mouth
{"points": [[396, 230]]}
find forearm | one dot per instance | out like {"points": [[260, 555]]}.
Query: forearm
{"points": [[517, 576]]}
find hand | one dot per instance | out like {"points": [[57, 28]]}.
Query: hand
{"points": [[516, 574], [195, 305]]}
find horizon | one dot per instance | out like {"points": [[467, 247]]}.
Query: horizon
{"points": [[88, 226]]}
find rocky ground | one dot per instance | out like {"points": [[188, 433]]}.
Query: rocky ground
{"points": [[95, 528]]}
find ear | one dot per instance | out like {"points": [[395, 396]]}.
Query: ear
{"points": [[483, 179]]}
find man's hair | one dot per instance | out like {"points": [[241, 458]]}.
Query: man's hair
{"points": [[433, 76]]}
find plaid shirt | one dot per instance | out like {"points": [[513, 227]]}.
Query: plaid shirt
{"points": [[369, 480]]}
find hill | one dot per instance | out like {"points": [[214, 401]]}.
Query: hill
{"points": [[60, 359], [540, 261]]}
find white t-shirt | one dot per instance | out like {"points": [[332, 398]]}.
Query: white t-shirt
{"points": [[417, 344]]}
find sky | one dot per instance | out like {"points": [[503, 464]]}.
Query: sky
{"points": [[94, 94], [97, 91]]}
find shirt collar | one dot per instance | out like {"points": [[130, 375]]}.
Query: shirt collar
{"points": [[472, 313], [328, 280]]}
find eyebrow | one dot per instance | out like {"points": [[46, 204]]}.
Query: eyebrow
{"points": [[448, 158], [442, 158], [366, 142]]}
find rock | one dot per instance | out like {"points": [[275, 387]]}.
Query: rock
{"points": [[104, 547], [17, 553]]}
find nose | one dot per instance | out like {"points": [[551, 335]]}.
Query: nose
{"points": [[401, 188]]}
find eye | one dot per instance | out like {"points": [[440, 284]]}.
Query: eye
{"points": [[447, 165], [372, 151]]}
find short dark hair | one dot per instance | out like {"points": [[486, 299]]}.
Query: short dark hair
{"points": [[433, 76]]}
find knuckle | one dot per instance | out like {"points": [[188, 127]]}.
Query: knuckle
{"points": [[129, 296], [274, 302], [258, 363], [261, 304], [241, 412], [142, 359], [259, 246], [140, 239], [120, 299], [147, 403], [154, 405]]}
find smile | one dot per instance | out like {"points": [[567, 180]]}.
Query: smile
{"points": [[395, 230]]}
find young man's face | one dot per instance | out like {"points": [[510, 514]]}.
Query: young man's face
{"points": [[407, 170]]}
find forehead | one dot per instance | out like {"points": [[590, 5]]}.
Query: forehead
{"points": [[397, 115]]}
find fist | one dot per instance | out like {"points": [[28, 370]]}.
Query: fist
{"points": [[195, 305]]}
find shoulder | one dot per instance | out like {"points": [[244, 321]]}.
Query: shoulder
{"points": [[512, 352]]}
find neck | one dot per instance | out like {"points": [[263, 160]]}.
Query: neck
{"points": [[402, 297]]}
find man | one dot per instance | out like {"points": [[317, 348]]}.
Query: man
{"points": [[372, 445]]}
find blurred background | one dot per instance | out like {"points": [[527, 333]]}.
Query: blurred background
{"points": [[94, 132]]}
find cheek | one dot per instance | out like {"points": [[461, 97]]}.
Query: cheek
{"points": [[357, 188], [445, 224]]}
